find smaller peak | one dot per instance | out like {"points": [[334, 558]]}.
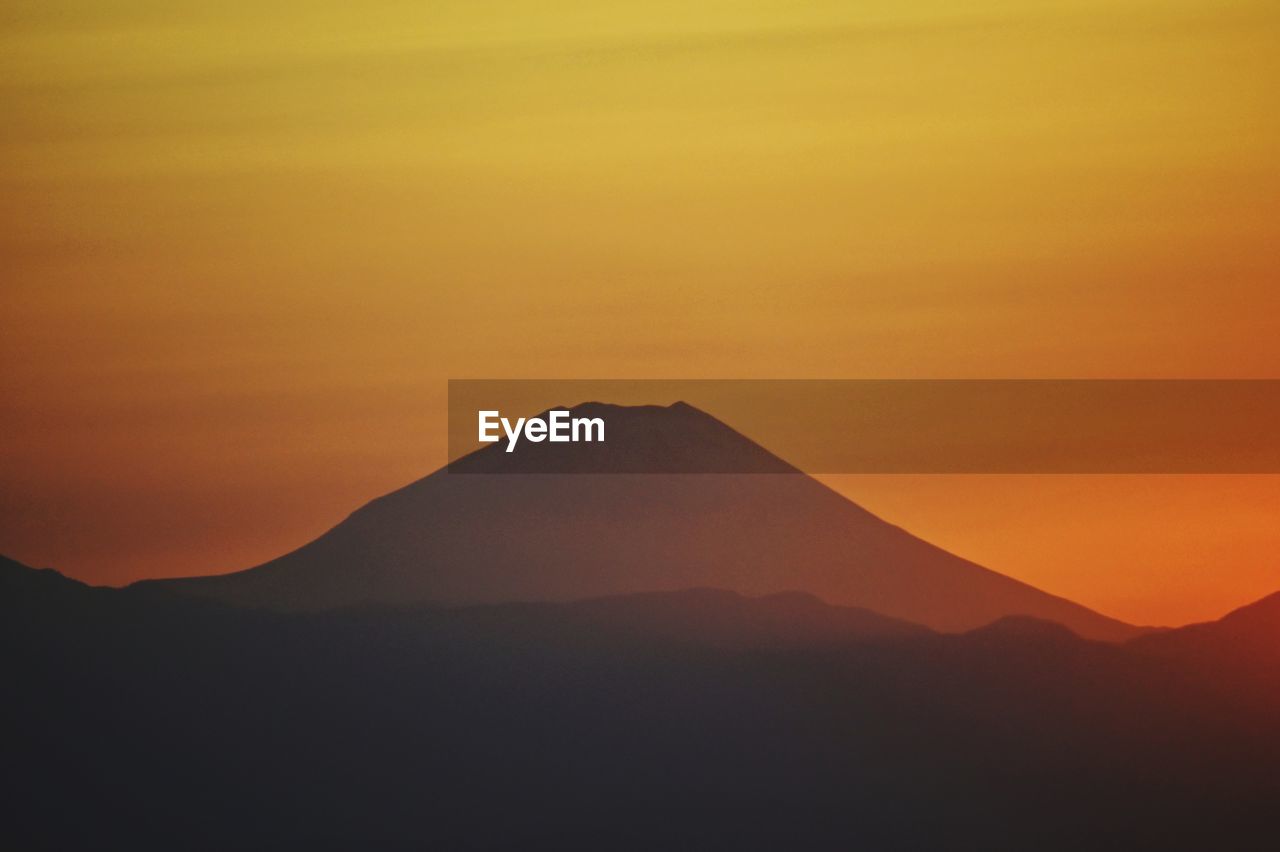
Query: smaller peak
{"points": [[1025, 627], [794, 598], [15, 575], [593, 405]]}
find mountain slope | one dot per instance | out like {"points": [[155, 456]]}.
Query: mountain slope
{"points": [[506, 534]]}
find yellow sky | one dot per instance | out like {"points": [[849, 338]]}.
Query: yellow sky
{"points": [[244, 245]]}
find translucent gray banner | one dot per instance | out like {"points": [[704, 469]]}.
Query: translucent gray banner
{"points": [[864, 426]]}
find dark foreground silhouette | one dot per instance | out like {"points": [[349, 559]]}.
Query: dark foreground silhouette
{"points": [[690, 720]]}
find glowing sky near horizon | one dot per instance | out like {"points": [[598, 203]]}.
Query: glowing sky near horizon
{"points": [[244, 245]]}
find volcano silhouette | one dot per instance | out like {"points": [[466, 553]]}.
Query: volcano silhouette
{"points": [[492, 529]]}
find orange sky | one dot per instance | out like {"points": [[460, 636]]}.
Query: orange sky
{"points": [[245, 245]]}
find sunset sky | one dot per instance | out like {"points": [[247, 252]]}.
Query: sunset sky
{"points": [[245, 244]]}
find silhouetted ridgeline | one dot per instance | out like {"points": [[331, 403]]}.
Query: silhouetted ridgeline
{"points": [[685, 720]]}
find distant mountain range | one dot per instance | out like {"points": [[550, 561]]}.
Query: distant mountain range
{"points": [[697, 719], [494, 527]]}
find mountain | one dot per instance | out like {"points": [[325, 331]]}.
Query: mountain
{"points": [[491, 528]]}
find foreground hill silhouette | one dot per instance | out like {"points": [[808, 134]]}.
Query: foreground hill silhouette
{"points": [[493, 528], [687, 720], [1250, 634], [1242, 646]]}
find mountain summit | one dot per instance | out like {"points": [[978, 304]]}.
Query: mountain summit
{"points": [[659, 521], [648, 439]]}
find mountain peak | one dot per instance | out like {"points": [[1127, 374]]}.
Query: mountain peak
{"points": [[676, 438]]}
